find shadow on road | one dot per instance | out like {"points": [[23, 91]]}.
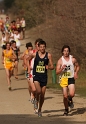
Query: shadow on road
{"points": [[31, 119], [48, 98], [77, 111], [18, 89], [50, 111]]}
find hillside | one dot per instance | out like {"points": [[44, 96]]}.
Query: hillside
{"points": [[58, 22]]}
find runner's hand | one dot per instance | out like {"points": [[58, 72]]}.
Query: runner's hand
{"points": [[75, 75], [47, 67], [63, 67]]}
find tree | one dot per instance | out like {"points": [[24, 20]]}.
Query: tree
{"points": [[8, 3]]}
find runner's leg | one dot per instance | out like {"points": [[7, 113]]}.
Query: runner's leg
{"points": [[65, 99], [16, 70], [38, 93], [71, 88], [8, 77], [41, 99]]}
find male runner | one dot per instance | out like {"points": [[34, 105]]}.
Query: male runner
{"points": [[67, 67], [42, 62], [8, 57]]}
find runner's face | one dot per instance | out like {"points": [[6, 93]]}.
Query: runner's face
{"points": [[36, 46], [14, 44], [66, 52], [30, 49], [8, 46], [42, 48]]}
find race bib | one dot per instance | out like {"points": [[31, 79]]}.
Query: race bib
{"points": [[7, 60], [67, 74], [40, 69]]}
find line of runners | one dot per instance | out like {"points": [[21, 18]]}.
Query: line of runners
{"points": [[36, 62], [12, 30]]}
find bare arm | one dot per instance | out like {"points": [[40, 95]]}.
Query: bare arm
{"points": [[14, 56], [18, 52], [77, 68], [50, 66], [27, 59], [22, 56], [59, 67]]}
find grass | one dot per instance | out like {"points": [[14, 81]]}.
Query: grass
{"points": [[80, 83]]}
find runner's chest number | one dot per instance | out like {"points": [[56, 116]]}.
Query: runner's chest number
{"points": [[40, 69]]}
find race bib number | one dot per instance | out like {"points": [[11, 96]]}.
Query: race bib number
{"points": [[67, 74], [7, 60], [16, 40], [40, 69]]}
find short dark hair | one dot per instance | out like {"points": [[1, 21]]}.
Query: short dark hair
{"points": [[42, 42], [13, 41], [29, 44], [8, 43], [37, 40], [3, 33], [65, 46]]}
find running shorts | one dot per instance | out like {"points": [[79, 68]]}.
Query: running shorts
{"points": [[64, 82]]}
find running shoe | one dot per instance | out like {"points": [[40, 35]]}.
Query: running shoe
{"points": [[32, 101], [36, 111], [65, 113], [9, 87], [70, 103], [39, 114]]}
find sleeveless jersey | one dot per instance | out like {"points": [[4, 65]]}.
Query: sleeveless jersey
{"points": [[40, 65], [6, 56], [3, 39], [68, 72]]}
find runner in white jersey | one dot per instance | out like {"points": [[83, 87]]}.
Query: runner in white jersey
{"points": [[3, 41], [17, 38], [23, 25], [67, 67]]}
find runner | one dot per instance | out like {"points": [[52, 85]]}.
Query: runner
{"points": [[65, 67], [41, 61], [11, 35], [23, 25], [18, 25], [8, 57], [1, 25], [7, 24], [25, 53], [17, 38], [30, 76], [13, 25], [17, 53], [4, 40]]}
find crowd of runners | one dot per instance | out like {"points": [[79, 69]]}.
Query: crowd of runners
{"points": [[36, 61]]}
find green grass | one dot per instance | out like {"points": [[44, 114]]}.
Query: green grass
{"points": [[80, 83]]}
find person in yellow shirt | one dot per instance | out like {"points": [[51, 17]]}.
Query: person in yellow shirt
{"points": [[8, 57]]}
